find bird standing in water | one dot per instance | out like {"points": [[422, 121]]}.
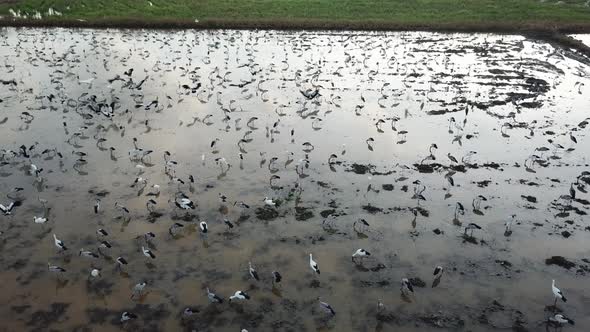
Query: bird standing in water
{"points": [[314, 266]]}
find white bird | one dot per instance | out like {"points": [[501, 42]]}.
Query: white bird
{"points": [[557, 293], [59, 243], [406, 287], [269, 201], [39, 220], [148, 253], [313, 264], [239, 295], [360, 253], [138, 289], [253, 272], [95, 273], [35, 170], [561, 319], [508, 225]]}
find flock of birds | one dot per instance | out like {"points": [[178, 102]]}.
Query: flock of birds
{"points": [[108, 113]]}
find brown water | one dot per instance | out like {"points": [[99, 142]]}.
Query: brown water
{"points": [[421, 79]]}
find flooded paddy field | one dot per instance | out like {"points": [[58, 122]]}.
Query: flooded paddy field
{"points": [[289, 144]]}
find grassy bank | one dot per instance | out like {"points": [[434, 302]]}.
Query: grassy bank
{"points": [[495, 15]]}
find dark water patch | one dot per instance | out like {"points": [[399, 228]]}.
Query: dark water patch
{"points": [[41, 320], [19, 309], [560, 261]]}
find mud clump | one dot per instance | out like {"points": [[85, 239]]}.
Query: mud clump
{"points": [[417, 282], [372, 209], [387, 187], [266, 213], [360, 168], [326, 213], [560, 261], [43, 319], [303, 213], [443, 321]]}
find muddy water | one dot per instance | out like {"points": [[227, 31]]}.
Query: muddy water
{"points": [[414, 82]]}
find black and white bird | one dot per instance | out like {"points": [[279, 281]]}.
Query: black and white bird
{"points": [[471, 226], [87, 253], [241, 204], [175, 228], [127, 316], [185, 203], [55, 268], [253, 272], [7, 210], [239, 295], [121, 262], [104, 245], [360, 253], [203, 227], [213, 298], [326, 307], [560, 319], [228, 223], [314, 266], [557, 293], [362, 224], [187, 312], [406, 287], [150, 204], [59, 244], [276, 277], [438, 272], [101, 232], [148, 253], [97, 206], [149, 236]]}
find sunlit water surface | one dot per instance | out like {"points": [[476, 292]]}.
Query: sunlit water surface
{"points": [[508, 96]]}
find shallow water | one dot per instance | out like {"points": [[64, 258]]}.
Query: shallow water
{"points": [[491, 281]]}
